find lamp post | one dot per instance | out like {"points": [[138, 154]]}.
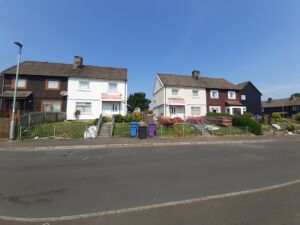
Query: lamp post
{"points": [[12, 123]]}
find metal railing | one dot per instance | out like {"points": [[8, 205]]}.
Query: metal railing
{"points": [[99, 124]]}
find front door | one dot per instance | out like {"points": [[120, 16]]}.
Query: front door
{"points": [[173, 111], [110, 108]]}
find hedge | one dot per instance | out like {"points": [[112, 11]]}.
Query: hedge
{"points": [[297, 117], [254, 126]]}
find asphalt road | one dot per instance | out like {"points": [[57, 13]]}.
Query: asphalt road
{"points": [[58, 183]]}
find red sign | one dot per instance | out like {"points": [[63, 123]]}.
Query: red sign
{"points": [[109, 97]]}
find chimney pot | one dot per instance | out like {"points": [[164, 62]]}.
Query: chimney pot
{"points": [[77, 62], [196, 74], [269, 99]]}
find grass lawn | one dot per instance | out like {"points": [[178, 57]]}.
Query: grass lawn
{"points": [[229, 131], [59, 129]]}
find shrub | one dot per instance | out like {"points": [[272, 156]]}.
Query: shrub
{"points": [[249, 114], [195, 119], [290, 127], [106, 119], [254, 126], [128, 118], [77, 114], [217, 114], [276, 115], [119, 118], [137, 116], [95, 122], [165, 121], [177, 120], [297, 117]]}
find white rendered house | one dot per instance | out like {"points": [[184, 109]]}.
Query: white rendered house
{"points": [[103, 91]]}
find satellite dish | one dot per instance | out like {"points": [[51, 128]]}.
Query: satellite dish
{"points": [[63, 93]]}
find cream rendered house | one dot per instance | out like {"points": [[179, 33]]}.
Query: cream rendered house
{"points": [[178, 100]]}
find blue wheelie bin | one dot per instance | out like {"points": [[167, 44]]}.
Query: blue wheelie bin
{"points": [[133, 129]]}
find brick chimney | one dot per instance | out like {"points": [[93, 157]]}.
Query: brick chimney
{"points": [[196, 74], [77, 62]]}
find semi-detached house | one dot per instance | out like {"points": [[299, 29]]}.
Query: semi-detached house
{"points": [[57, 87], [184, 96]]}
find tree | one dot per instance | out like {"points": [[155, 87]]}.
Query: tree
{"points": [[138, 99]]}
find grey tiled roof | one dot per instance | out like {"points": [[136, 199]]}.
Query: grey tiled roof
{"points": [[66, 70], [201, 82]]}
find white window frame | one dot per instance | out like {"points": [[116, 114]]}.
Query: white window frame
{"points": [[296, 107], [211, 94], [243, 97], [217, 108], [175, 90], [84, 104], [193, 111], [110, 89], [115, 107], [195, 93], [173, 110], [25, 83], [82, 89], [231, 97]]}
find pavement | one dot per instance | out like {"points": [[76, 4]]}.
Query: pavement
{"points": [[97, 143], [55, 184]]}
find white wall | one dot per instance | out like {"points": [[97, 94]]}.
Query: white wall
{"points": [[189, 99], [93, 95], [158, 97]]}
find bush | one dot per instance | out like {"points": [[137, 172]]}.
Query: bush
{"points": [[195, 119], [119, 118], [166, 121], [249, 114], [276, 115], [177, 120], [297, 117], [217, 114], [254, 126], [290, 127], [137, 116], [95, 122], [106, 119]]}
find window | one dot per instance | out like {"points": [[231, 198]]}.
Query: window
{"points": [[231, 94], [215, 109], [243, 97], [196, 111], [22, 83], [175, 92], [173, 110], [296, 108], [112, 87], [84, 107], [52, 85], [195, 93], [214, 94], [84, 85], [51, 106], [115, 107]]}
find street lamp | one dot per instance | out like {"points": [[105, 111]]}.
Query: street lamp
{"points": [[12, 123]]}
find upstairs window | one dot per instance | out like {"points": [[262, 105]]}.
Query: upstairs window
{"points": [[214, 94], [84, 85], [22, 84], [296, 108], [243, 97], [175, 92], [231, 95], [112, 87], [195, 93], [52, 85]]}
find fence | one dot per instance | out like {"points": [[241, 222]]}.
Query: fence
{"points": [[4, 127], [184, 130], [31, 119]]}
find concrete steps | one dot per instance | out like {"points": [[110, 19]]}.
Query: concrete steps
{"points": [[105, 130]]}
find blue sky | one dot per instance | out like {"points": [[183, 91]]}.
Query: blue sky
{"points": [[239, 40]]}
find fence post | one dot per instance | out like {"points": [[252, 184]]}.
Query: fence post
{"points": [[230, 131], [29, 119], [54, 131], [246, 129], [20, 132], [161, 130]]}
